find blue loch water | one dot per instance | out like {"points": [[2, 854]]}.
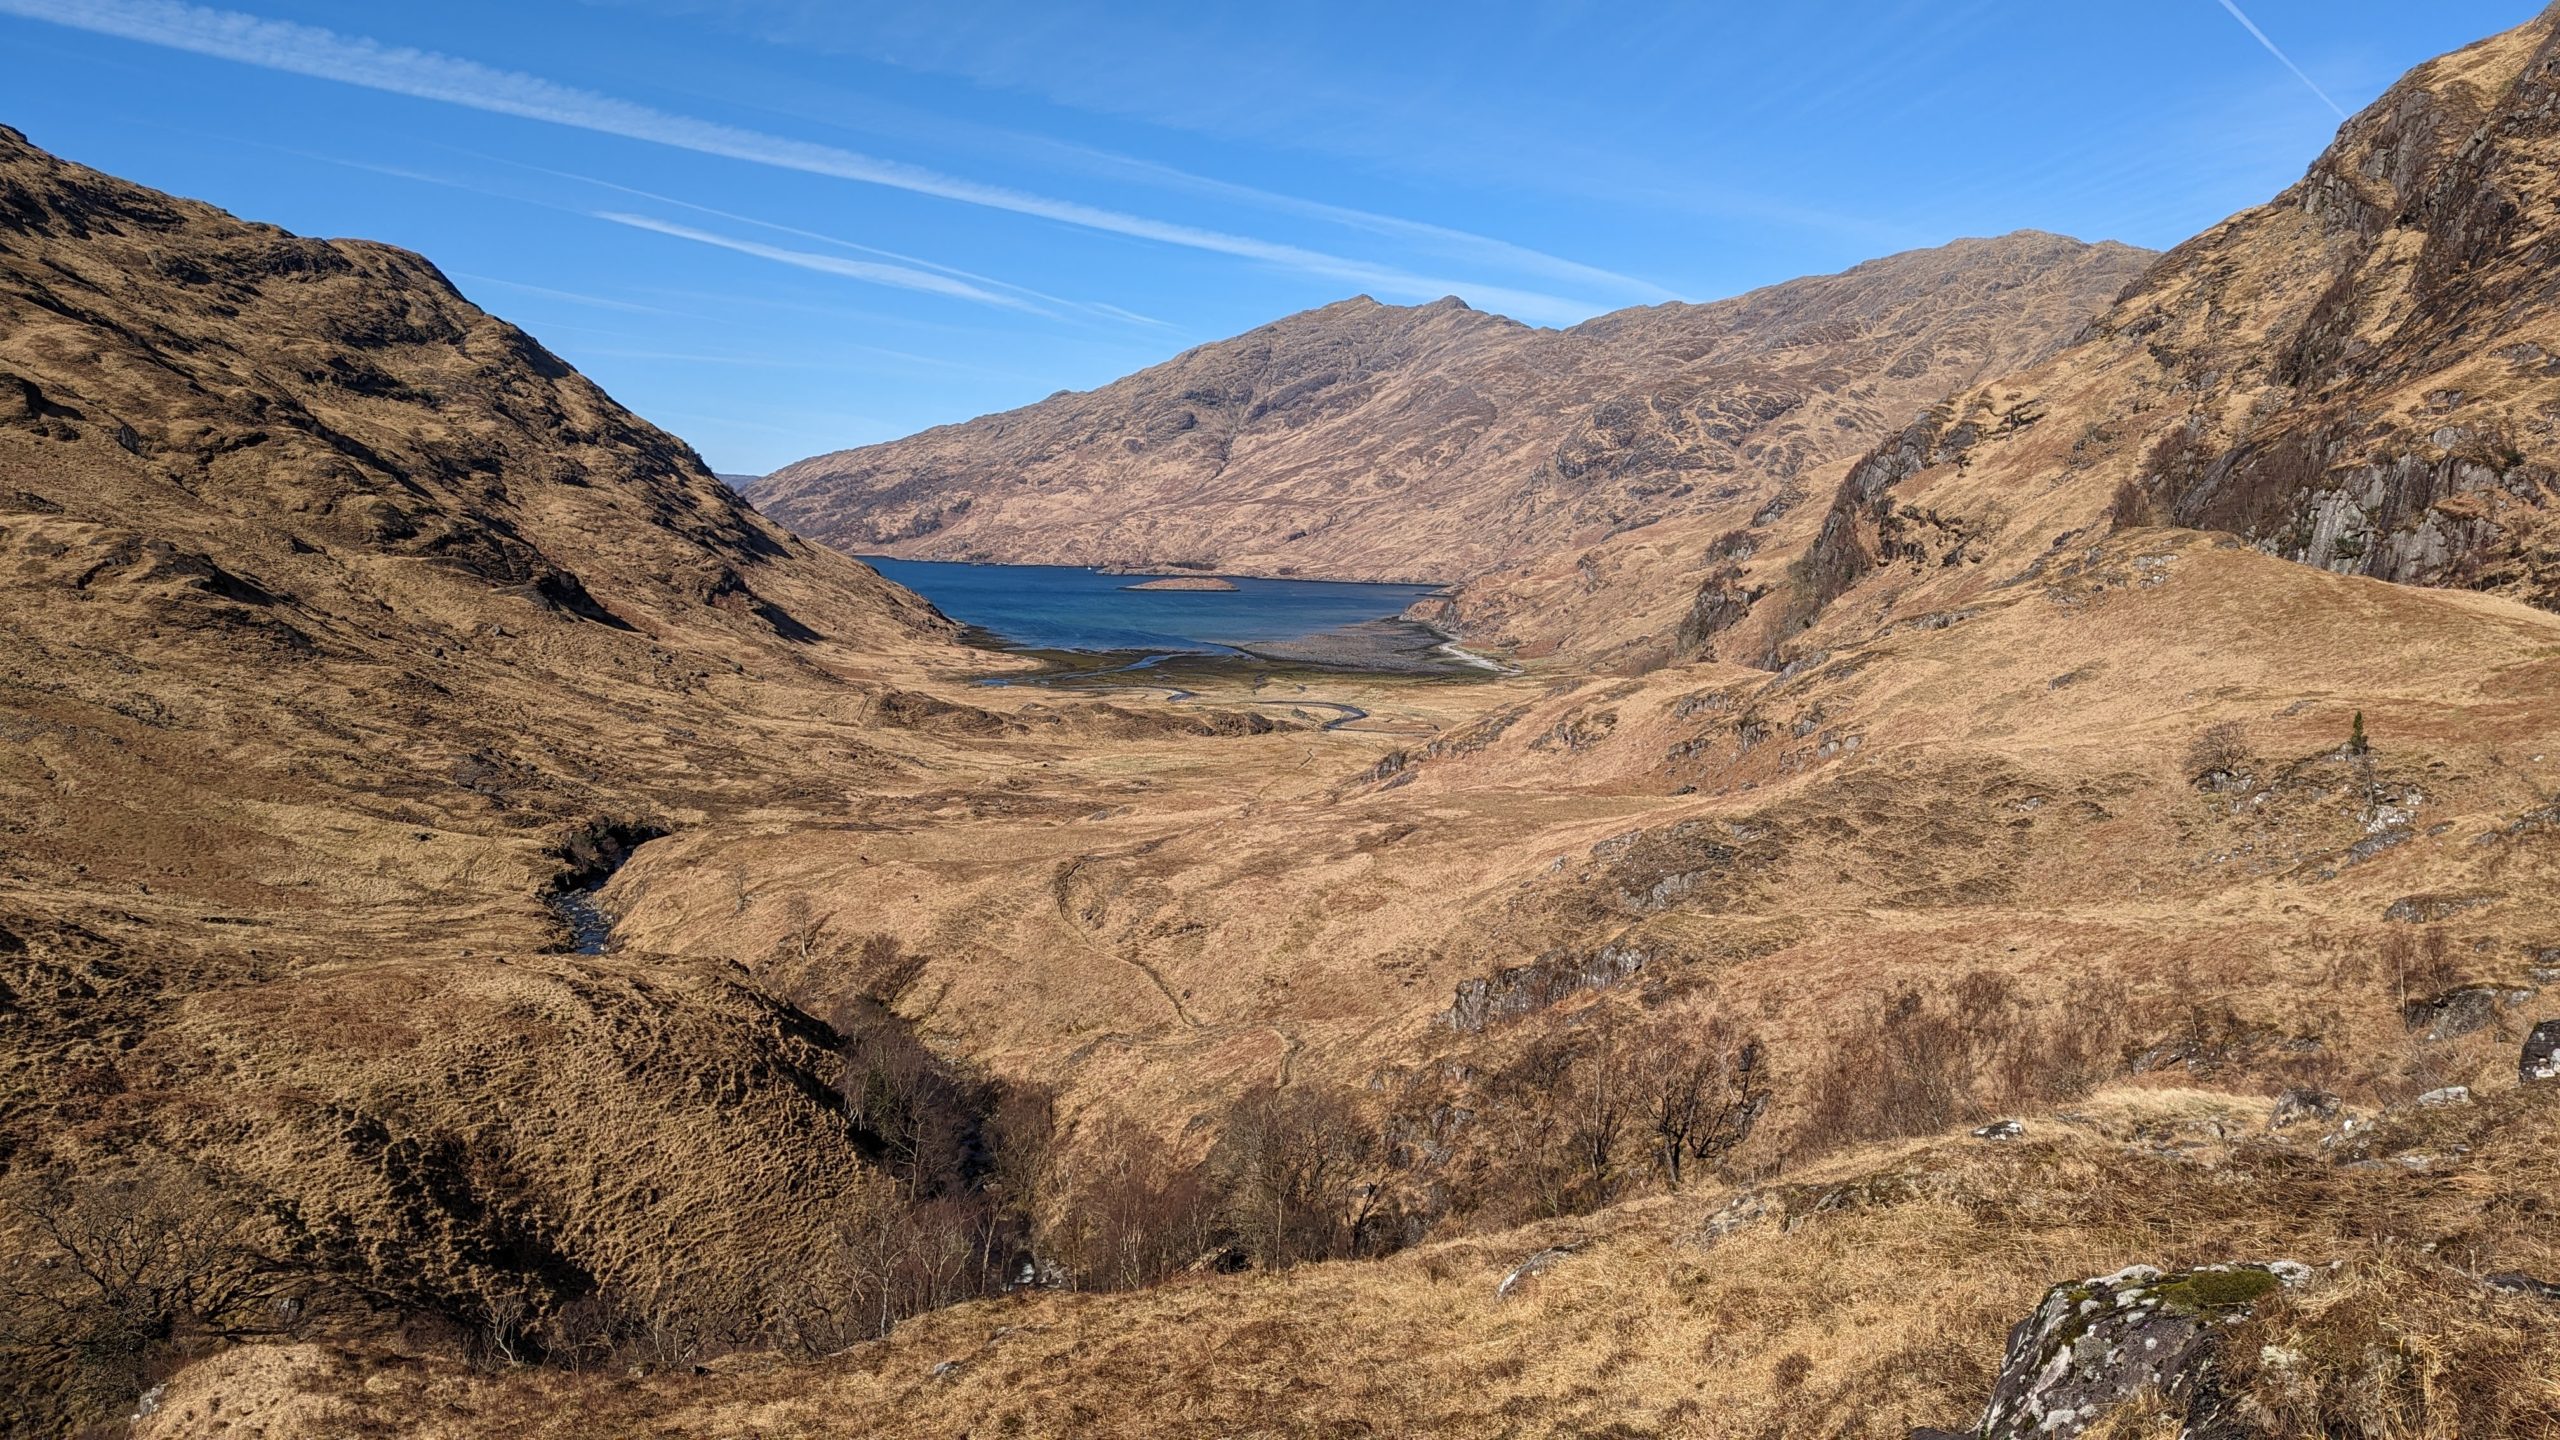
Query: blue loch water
{"points": [[1063, 607]]}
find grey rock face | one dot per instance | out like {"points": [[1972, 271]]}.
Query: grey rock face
{"points": [[2297, 1105], [2335, 528], [2541, 1058], [2516, 1282], [1542, 982], [1740, 1213], [2460, 1012], [2096, 1343]]}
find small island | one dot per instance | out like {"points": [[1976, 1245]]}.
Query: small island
{"points": [[1183, 582]]}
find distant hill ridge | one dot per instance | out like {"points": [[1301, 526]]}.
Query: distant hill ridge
{"points": [[1436, 442]]}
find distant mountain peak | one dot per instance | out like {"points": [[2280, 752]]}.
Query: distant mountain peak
{"points": [[1436, 441]]}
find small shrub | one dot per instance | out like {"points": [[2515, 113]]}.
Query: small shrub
{"points": [[117, 1278], [2132, 508], [1926, 1063], [2220, 754]]}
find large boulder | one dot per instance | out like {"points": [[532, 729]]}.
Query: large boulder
{"points": [[2460, 1012], [2541, 1058], [2094, 1344]]}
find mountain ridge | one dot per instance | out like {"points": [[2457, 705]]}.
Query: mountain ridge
{"points": [[1429, 443], [2355, 376]]}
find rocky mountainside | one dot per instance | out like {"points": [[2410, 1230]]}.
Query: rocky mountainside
{"points": [[297, 504], [1368, 441], [2357, 375], [339, 623], [2362, 375]]}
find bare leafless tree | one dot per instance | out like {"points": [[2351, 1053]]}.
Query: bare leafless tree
{"points": [[2220, 754], [1133, 1211], [1700, 1085], [1601, 1098], [120, 1270], [1303, 1172]]}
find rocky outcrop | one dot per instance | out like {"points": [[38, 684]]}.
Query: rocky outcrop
{"points": [[2095, 1344], [2358, 376], [1527, 1271], [1521, 989], [2302, 1105], [2541, 1057], [2461, 1011]]}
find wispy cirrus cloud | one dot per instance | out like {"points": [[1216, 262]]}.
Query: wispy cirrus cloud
{"points": [[1440, 239], [573, 297], [880, 275], [902, 277], [988, 281], [1227, 73], [422, 74]]}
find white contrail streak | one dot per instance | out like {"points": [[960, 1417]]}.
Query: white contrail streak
{"points": [[574, 297], [989, 281], [2252, 27], [901, 276], [1519, 258], [423, 74]]}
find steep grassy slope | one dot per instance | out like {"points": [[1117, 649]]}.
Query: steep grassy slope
{"points": [[1856, 1300], [338, 623], [294, 520], [2354, 376]]}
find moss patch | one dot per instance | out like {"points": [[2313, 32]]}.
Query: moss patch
{"points": [[2203, 1292]]}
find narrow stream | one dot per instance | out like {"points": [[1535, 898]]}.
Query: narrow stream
{"points": [[592, 857], [590, 928]]}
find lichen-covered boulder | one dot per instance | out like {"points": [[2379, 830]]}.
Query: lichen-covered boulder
{"points": [[2094, 1344], [2541, 1058]]}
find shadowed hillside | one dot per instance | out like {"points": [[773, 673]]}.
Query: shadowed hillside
{"points": [[341, 623]]}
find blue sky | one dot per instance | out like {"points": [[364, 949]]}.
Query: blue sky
{"points": [[784, 226]]}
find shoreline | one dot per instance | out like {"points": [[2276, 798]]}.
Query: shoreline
{"points": [[1437, 587], [1186, 584], [1384, 649]]}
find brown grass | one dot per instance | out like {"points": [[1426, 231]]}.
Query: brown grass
{"points": [[1878, 1303]]}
